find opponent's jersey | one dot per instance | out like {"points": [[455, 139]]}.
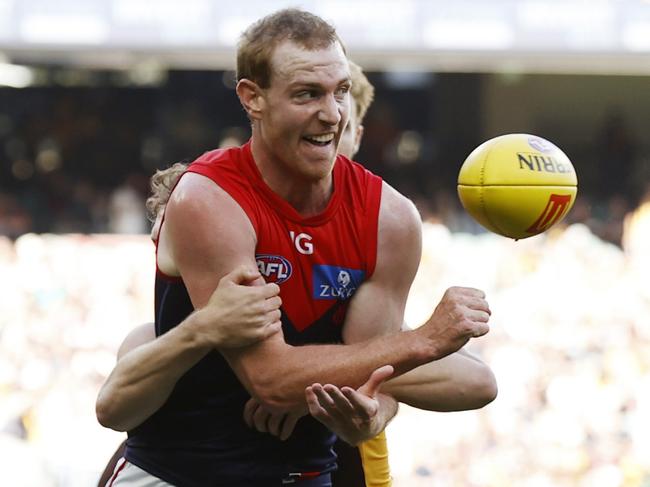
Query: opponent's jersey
{"points": [[198, 437]]}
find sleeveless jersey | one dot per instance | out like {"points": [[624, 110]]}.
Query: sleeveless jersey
{"points": [[198, 437]]}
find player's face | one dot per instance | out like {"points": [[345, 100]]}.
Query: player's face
{"points": [[305, 109], [351, 137]]}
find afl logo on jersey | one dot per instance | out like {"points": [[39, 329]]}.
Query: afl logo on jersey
{"points": [[333, 282], [274, 268]]}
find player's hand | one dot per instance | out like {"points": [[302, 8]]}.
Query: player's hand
{"points": [[354, 415], [276, 424], [462, 313], [240, 313]]}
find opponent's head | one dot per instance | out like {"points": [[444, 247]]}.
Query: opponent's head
{"points": [[363, 94], [293, 81]]}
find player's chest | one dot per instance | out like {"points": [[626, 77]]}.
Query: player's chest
{"points": [[316, 267]]}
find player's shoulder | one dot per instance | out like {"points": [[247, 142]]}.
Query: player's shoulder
{"points": [[397, 212], [215, 156], [198, 199], [194, 190], [399, 240]]}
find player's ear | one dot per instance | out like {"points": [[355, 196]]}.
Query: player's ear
{"points": [[250, 96], [357, 139]]}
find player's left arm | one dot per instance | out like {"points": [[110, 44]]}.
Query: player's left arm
{"points": [[459, 381], [377, 308]]}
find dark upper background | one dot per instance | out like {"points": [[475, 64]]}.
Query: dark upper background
{"points": [[76, 151]]}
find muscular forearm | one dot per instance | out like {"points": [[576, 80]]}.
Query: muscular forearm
{"points": [[144, 378], [280, 387], [457, 382]]}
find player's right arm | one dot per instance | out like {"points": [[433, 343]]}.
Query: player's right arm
{"points": [[207, 233], [148, 368]]}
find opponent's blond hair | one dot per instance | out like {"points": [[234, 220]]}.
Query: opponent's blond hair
{"points": [[258, 42], [363, 93], [162, 183]]}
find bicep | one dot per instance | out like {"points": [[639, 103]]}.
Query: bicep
{"points": [[378, 306], [138, 336], [208, 235]]}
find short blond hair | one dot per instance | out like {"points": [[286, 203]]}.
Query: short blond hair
{"points": [[363, 93], [162, 183], [258, 42]]}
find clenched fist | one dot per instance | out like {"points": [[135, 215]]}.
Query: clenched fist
{"points": [[462, 313]]}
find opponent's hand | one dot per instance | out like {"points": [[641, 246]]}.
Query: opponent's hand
{"points": [[353, 415], [276, 424], [462, 313], [240, 313]]}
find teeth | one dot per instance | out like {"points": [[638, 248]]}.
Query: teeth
{"points": [[322, 138]]}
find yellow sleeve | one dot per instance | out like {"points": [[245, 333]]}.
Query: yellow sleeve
{"points": [[374, 457]]}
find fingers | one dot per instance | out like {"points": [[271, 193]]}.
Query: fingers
{"points": [[243, 274], [261, 419], [471, 304], [365, 407], [280, 424], [480, 316], [249, 410], [274, 423], [376, 380], [314, 407], [478, 304], [256, 417], [271, 329], [480, 329], [334, 404], [268, 290], [288, 426], [246, 275], [468, 291], [273, 303], [335, 401]]}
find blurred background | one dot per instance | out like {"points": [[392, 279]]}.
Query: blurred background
{"points": [[95, 95]]}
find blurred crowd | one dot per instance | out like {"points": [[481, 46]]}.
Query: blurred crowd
{"points": [[68, 301], [570, 346]]}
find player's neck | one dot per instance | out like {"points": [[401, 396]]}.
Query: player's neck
{"points": [[309, 197]]}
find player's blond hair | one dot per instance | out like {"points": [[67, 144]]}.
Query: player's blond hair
{"points": [[162, 183], [257, 43], [363, 93]]}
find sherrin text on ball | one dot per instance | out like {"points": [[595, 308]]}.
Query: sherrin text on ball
{"points": [[517, 185]]}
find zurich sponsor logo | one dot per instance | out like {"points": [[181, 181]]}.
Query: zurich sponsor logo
{"points": [[333, 282], [274, 268], [540, 144]]}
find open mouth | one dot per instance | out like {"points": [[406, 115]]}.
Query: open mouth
{"points": [[319, 140]]}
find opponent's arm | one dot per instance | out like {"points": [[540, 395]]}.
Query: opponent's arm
{"points": [[148, 368], [457, 382], [204, 246]]}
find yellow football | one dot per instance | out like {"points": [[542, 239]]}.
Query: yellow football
{"points": [[517, 185]]}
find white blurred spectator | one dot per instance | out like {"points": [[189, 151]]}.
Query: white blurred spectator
{"points": [[126, 210]]}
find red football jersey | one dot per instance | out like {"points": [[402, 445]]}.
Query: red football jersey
{"points": [[318, 262]]}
